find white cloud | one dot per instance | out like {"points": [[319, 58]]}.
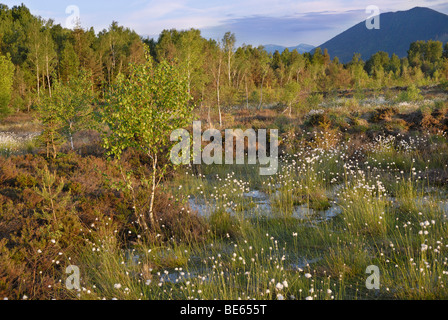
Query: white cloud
{"points": [[154, 16], [150, 17]]}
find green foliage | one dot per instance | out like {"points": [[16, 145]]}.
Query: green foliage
{"points": [[319, 118], [444, 85], [69, 65], [74, 101], [411, 94], [224, 225], [51, 135], [314, 100], [143, 109], [6, 81], [426, 55], [379, 61], [290, 94], [141, 112], [394, 64], [217, 72], [51, 193], [118, 46], [66, 112]]}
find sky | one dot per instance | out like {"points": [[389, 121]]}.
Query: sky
{"points": [[255, 22]]}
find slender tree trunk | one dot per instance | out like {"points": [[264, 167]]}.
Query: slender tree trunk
{"points": [[37, 77], [209, 118], [47, 64], [188, 82], [237, 77], [52, 205], [229, 66], [261, 93], [113, 54], [108, 74], [48, 74], [247, 93], [202, 97], [140, 218], [188, 75], [71, 136], [153, 192], [217, 92], [54, 147]]}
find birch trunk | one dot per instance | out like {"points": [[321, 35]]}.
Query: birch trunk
{"points": [[153, 192], [261, 93]]}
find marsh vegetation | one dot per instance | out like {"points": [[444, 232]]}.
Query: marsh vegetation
{"points": [[86, 179]]}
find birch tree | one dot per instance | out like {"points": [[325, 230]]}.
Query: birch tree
{"points": [[142, 110]]}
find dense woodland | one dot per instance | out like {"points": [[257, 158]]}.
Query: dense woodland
{"points": [[38, 55]]}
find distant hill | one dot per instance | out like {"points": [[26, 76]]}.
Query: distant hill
{"points": [[301, 48], [397, 31]]}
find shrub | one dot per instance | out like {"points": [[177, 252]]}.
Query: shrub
{"points": [[314, 100], [411, 94], [384, 113], [318, 118]]}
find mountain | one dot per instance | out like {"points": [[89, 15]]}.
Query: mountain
{"points": [[301, 48], [397, 31]]}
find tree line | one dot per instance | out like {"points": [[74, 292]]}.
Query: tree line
{"points": [[38, 57], [43, 53]]}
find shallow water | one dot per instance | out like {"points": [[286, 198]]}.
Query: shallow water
{"points": [[303, 212], [261, 206]]}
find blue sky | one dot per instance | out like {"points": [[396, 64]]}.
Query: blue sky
{"points": [[282, 22]]}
